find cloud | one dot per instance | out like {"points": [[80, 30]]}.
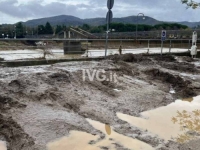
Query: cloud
{"points": [[165, 10]]}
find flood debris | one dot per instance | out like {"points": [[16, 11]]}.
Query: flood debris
{"points": [[42, 104]]}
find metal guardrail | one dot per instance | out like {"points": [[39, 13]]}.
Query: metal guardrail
{"points": [[145, 45], [79, 39]]}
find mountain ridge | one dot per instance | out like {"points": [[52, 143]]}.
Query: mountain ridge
{"points": [[69, 20]]}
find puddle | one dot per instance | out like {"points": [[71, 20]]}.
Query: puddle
{"points": [[169, 122], [3, 145], [188, 99], [85, 141], [108, 129]]}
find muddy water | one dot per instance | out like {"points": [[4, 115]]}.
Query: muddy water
{"points": [[164, 121], [2, 145], [96, 53], [84, 141], [59, 53], [188, 99], [31, 54]]}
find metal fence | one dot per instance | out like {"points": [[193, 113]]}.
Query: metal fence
{"points": [[97, 46], [171, 34]]}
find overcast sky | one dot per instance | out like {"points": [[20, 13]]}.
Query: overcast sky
{"points": [[12, 11]]}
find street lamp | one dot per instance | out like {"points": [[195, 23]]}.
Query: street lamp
{"points": [[3, 35], [137, 22]]}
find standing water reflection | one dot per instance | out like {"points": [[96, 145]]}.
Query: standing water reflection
{"points": [[161, 121]]}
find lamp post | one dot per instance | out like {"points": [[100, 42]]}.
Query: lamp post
{"points": [[137, 22]]}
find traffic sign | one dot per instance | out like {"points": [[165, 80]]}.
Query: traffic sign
{"points": [[109, 16], [163, 35], [110, 4]]}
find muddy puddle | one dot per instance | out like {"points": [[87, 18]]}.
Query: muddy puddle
{"points": [[172, 122], [179, 121], [85, 141], [3, 145]]}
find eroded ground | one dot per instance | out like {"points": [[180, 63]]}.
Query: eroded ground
{"points": [[51, 107]]}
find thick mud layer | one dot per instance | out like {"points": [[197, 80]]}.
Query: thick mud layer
{"points": [[42, 105]]}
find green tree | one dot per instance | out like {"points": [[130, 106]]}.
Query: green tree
{"points": [[64, 27], [41, 30], [19, 29], [96, 30], [48, 28], [58, 29], [191, 3], [86, 27]]}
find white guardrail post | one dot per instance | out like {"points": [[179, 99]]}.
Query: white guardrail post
{"points": [[170, 46], [148, 47], [189, 46]]}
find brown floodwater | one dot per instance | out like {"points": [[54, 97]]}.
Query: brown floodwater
{"points": [[80, 140], [188, 99], [169, 122]]}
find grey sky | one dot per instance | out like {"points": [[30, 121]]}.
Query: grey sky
{"points": [[12, 11]]}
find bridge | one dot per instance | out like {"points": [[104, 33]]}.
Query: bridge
{"points": [[73, 38]]}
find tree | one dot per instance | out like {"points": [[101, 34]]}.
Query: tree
{"points": [[48, 28], [191, 3], [41, 29], [58, 29], [19, 29], [96, 30], [86, 27], [6, 30]]}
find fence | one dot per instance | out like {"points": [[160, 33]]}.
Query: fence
{"points": [[96, 48], [171, 34]]}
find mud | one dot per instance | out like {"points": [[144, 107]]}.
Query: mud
{"points": [[42, 104]]}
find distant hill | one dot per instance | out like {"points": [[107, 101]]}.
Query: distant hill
{"points": [[190, 24], [56, 20], [75, 21], [130, 19]]}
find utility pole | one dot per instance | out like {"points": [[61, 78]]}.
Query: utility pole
{"points": [[109, 17]]}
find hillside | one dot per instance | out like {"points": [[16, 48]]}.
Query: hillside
{"points": [[56, 20], [75, 21], [130, 19], [190, 24]]}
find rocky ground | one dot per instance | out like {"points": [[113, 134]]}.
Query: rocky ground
{"points": [[43, 103]]}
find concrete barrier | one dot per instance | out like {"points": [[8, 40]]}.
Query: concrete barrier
{"points": [[72, 47]]}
